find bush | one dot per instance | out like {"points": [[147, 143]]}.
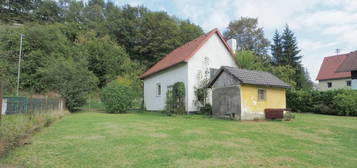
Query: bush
{"points": [[346, 103], [334, 102], [117, 97], [288, 116], [206, 109], [175, 99]]}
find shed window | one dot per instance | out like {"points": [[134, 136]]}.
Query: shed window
{"points": [[329, 84], [158, 89], [348, 83], [261, 94]]}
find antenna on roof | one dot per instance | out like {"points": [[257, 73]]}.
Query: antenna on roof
{"points": [[338, 50]]}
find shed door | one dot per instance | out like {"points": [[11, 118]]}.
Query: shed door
{"points": [[226, 101]]}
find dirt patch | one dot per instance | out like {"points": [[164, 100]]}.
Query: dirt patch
{"points": [[224, 143], [94, 137], [324, 131], [302, 135], [158, 135], [241, 140], [196, 163], [194, 132], [226, 133]]}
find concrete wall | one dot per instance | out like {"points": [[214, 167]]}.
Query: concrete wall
{"points": [[354, 84], [336, 84], [226, 100], [166, 78], [213, 54], [4, 106], [252, 108]]}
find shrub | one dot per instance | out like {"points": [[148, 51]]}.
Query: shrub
{"points": [[288, 116], [117, 97], [333, 102], [346, 103], [175, 99], [206, 109]]}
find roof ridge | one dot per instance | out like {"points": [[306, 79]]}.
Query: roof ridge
{"points": [[247, 76], [184, 53]]}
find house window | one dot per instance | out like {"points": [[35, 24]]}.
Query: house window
{"points": [[158, 89], [329, 84], [261, 94], [348, 83]]}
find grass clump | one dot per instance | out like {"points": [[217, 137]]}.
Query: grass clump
{"points": [[15, 129]]}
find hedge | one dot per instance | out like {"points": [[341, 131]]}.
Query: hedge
{"points": [[334, 102], [117, 97]]}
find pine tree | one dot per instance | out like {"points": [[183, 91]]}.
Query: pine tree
{"points": [[277, 48], [285, 52], [290, 54]]}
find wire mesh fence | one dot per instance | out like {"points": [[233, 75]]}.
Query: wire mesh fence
{"points": [[24, 105]]}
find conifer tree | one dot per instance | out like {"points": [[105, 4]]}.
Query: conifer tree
{"points": [[277, 48], [290, 54]]}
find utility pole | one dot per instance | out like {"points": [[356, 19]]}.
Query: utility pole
{"points": [[19, 67]]}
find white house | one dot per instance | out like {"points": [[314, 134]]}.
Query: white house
{"points": [[329, 78], [190, 64]]}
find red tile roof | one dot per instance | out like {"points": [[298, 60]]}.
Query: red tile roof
{"points": [[349, 64], [184, 53], [329, 66]]}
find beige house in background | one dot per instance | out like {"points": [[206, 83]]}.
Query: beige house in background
{"points": [[329, 79]]}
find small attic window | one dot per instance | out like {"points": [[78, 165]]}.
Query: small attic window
{"points": [[261, 94]]}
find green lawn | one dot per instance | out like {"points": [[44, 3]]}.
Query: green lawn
{"points": [[89, 139]]}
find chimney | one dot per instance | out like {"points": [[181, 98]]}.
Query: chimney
{"points": [[233, 44]]}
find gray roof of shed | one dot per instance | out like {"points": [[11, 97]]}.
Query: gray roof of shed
{"points": [[251, 77]]}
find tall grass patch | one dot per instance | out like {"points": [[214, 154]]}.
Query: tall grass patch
{"points": [[15, 129]]}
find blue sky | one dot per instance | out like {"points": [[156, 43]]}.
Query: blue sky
{"points": [[321, 26]]}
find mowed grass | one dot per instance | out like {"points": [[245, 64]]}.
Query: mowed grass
{"points": [[91, 139]]}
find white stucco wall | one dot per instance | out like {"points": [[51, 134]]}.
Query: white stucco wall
{"points": [[336, 84], [354, 84], [217, 55], [166, 78]]}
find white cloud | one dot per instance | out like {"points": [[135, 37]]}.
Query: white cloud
{"points": [[320, 25], [310, 45]]}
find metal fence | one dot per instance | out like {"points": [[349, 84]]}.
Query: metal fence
{"points": [[23, 105]]}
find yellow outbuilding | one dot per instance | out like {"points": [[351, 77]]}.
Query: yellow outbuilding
{"points": [[245, 94]]}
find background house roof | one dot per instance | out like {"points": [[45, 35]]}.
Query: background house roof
{"points": [[184, 53], [251, 77], [329, 66], [349, 64]]}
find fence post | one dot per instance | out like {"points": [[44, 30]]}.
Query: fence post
{"points": [[46, 105], [1, 97]]}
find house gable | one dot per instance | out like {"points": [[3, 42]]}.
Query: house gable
{"points": [[212, 55], [225, 80], [185, 52], [329, 67]]}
